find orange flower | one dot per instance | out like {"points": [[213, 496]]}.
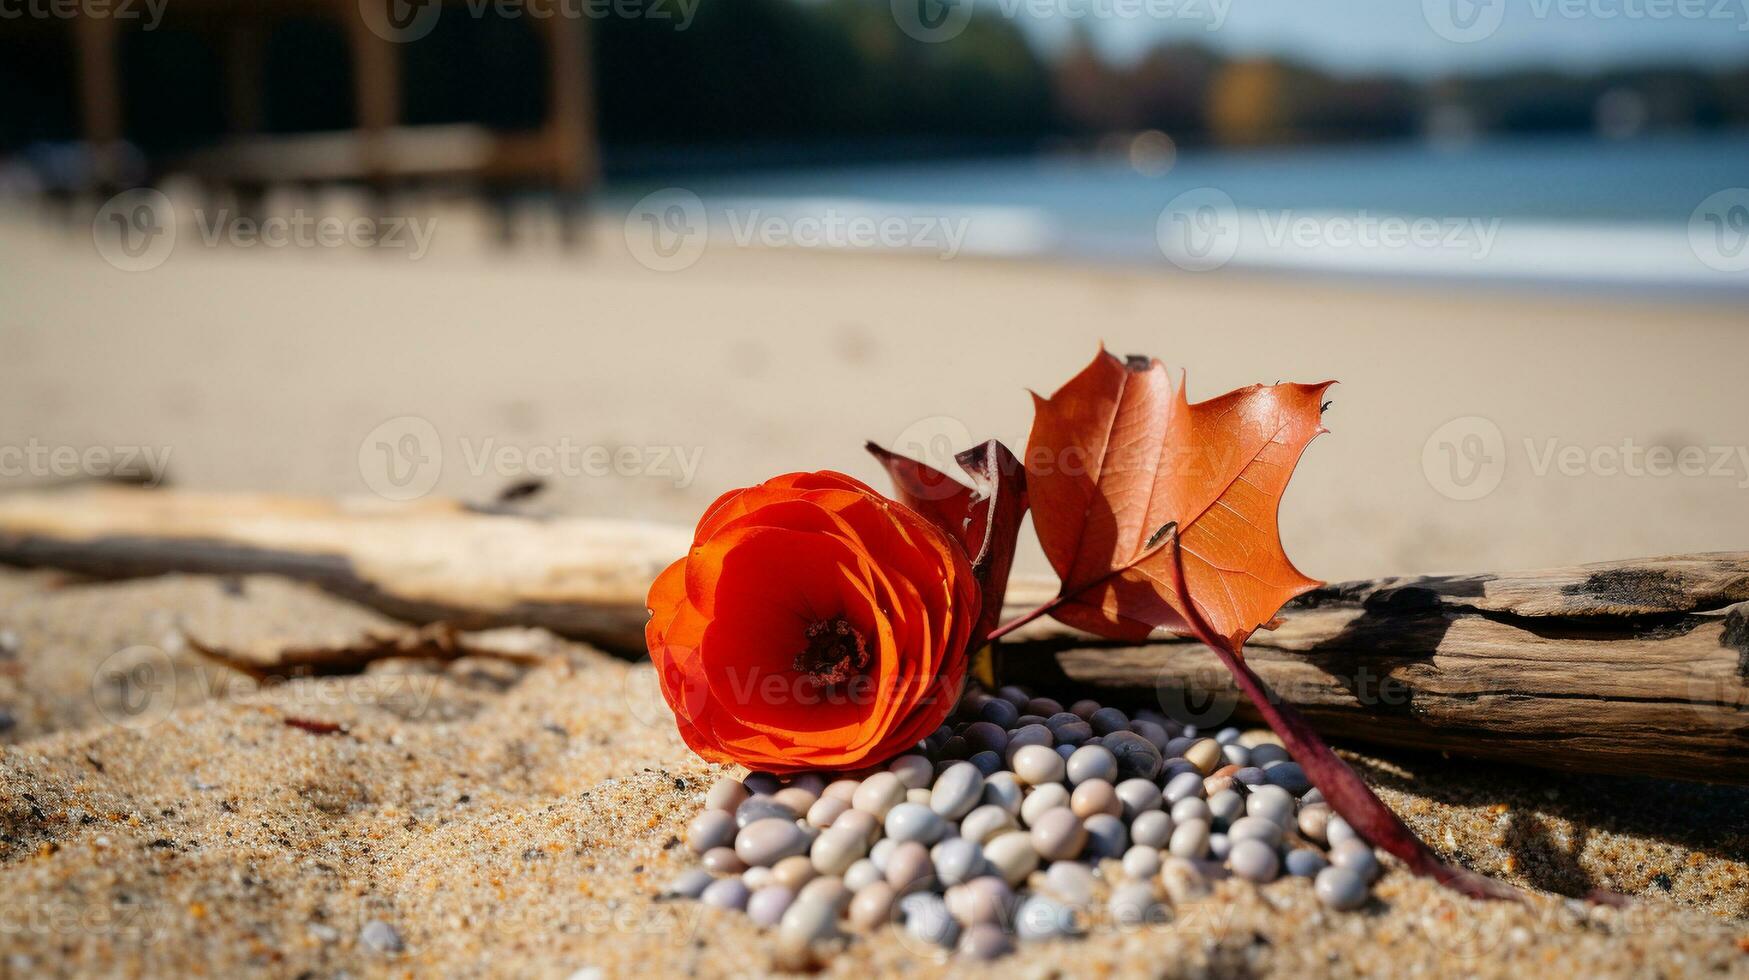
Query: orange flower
{"points": [[814, 624]]}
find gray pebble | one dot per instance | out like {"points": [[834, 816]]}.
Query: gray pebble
{"points": [[725, 794], [1011, 856], [768, 841], [1070, 881], [1304, 862], [1311, 796], [1014, 693], [983, 736], [1340, 888], [711, 828], [807, 922], [957, 790], [1091, 762], [1107, 837], [914, 771], [1138, 796], [872, 906], [1000, 713], [1026, 735], [1141, 862], [690, 883], [1182, 787], [1041, 800], [1314, 821], [1253, 860], [927, 919], [1003, 790], [1151, 731], [381, 937], [767, 905], [1190, 839], [1192, 808], [1337, 831], [879, 793], [798, 798], [1073, 732], [826, 889], [1040, 918], [1226, 807], [1220, 845], [1263, 754], [1133, 904], [1176, 747], [726, 893], [762, 808], [858, 821], [1250, 776], [882, 852], [1357, 857], [1137, 758], [984, 941], [1037, 765], [981, 900], [826, 810], [957, 861], [1256, 828], [1235, 755], [1270, 803], [862, 874], [985, 822], [1152, 828], [761, 783], [1108, 720], [723, 861], [1228, 736], [987, 763], [914, 822], [1289, 776], [1065, 751], [909, 869], [834, 851], [1058, 835]]}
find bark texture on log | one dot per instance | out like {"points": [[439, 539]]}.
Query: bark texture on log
{"points": [[1625, 667], [433, 560]]}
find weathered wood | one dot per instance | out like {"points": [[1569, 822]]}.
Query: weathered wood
{"points": [[1639, 667], [421, 562]]}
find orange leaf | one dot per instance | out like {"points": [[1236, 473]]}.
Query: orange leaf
{"points": [[1121, 468]]}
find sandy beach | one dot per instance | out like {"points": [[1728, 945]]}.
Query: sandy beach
{"points": [[511, 803]]}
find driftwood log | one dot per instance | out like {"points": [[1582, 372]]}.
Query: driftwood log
{"points": [[1627, 667], [433, 560]]}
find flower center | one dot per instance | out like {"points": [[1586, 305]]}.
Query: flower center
{"points": [[836, 652]]}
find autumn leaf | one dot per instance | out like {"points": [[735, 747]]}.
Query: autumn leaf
{"points": [[1157, 513], [1122, 470], [984, 517]]}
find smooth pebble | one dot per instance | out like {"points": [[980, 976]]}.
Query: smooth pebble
{"points": [[1141, 862], [985, 822], [928, 920], [690, 883], [862, 874], [726, 893], [1138, 796], [1107, 837], [957, 860], [1011, 856], [1058, 835], [1095, 796], [1340, 888], [1152, 828], [1041, 800], [1190, 839], [766, 906], [872, 906], [1038, 765], [878, 794], [1039, 918], [914, 822], [957, 790], [1254, 860], [712, 828], [1304, 862], [1137, 758], [984, 941], [1357, 857], [909, 868], [725, 794], [1071, 881], [834, 851], [770, 840]]}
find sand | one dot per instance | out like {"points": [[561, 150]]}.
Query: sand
{"points": [[510, 804]]}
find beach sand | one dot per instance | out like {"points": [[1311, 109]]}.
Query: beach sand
{"points": [[514, 806], [511, 803]]}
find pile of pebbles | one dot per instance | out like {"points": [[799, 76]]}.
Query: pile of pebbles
{"points": [[1019, 819]]}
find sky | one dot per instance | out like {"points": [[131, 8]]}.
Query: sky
{"points": [[1425, 37]]}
